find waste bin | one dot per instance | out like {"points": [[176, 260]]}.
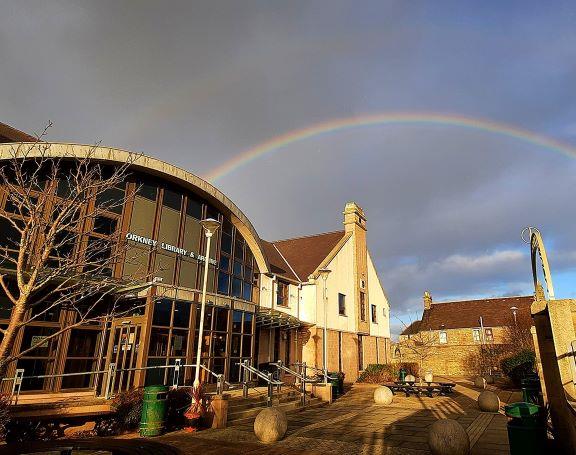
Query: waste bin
{"points": [[340, 384], [531, 390], [334, 381], [153, 420], [402, 374], [526, 429]]}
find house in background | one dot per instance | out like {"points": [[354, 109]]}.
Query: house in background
{"points": [[357, 312], [451, 333]]}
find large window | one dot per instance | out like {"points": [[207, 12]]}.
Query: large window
{"points": [[168, 338], [241, 342], [82, 356]]}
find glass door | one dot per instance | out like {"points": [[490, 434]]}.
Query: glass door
{"points": [[124, 351]]}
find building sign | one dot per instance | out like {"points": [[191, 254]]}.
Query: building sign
{"points": [[167, 247], [37, 340]]}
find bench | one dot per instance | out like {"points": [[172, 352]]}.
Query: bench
{"points": [[411, 388]]}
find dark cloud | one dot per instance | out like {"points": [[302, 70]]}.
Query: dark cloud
{"points": [[196, 83]]}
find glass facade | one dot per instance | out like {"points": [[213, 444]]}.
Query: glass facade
{"points": [[170, 244]]}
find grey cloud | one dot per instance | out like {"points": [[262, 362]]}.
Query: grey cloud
{"points": [[196, 83]]}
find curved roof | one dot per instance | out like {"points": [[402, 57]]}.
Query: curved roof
{"points": [[151, 166]]}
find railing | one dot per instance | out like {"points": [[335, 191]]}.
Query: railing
{"points": [[111, 374], [249, 370], [320, 371], [301, 376]]}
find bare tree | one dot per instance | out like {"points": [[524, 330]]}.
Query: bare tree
{"points": [[417, 344], [51, 260], [517, 334]]}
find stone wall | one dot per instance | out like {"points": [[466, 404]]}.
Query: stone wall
{"points": [[455, 358]]}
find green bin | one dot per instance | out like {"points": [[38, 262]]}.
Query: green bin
{"points": [[526, 431], [152, 422], [333, 381]]}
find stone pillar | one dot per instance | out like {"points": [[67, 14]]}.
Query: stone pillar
{"points": [[554, 333]]}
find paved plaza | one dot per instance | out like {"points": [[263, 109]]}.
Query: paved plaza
{"points": [[355, 425]]}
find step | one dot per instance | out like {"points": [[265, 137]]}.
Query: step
{"points": [[288, 407], [250, 404]]}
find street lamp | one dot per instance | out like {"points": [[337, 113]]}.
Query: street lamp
{"points": [[514, 309], [210, 226], [324, 274]]}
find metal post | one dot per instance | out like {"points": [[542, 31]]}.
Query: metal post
{"points": [[110, 380], [17, 384], [270, 390], [245, 382], [220, 384], [303, 374], [176, 375]]}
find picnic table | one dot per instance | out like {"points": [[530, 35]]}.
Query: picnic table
{"points": [[426, 388]]}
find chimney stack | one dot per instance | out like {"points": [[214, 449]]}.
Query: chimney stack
{"points": [[427, 300]]}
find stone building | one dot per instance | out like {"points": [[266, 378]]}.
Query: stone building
{"points": [[450, 335]]}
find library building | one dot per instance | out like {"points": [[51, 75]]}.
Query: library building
{"points": [[265, 300]]}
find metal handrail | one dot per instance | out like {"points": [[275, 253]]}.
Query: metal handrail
{"points": [[111, 373], [301, 376], [319, 370], [259, 373], [249, 369]]}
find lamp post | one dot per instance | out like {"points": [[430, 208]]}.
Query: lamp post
{"points": [[514, 309], [324, 274], [210, 226]]}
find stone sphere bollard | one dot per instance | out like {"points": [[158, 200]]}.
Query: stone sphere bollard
{"points": [[488, 401], [480, 382], [448, 437], [410, 378], [270, 425], [383, 395], [428, 377]]}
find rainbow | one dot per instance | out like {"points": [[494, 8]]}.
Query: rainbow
{"points": [[392, 118]]}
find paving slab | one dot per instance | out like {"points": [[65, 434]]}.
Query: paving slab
{"points": [[355, 425]]}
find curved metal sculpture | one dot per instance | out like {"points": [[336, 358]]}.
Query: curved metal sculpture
{"points": [[532, 236]]}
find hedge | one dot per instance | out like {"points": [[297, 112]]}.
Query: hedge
{"points": [[518, 365]]}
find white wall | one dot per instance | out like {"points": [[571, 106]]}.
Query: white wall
{"points": [[377, 297], [340, 280]]}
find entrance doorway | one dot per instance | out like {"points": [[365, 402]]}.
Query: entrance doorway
{"points": [[124, 351]]}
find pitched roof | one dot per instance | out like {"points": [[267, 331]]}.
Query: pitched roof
{"points": [[10, 134], [466, 314], [305, 254], [411, 329], [278, 266]]}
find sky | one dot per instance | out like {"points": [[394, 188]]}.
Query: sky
{"points": [[196, 83]]}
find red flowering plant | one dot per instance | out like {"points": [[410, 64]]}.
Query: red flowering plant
{"points": [[197, 407]]}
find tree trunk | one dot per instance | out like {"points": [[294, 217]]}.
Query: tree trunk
{"points": [[7, 343], [3, 368]]}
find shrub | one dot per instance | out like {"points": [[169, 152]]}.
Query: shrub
{"points": [[128, 408], [4, 414], [178, 402], [518, 365], [377, 373]]}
